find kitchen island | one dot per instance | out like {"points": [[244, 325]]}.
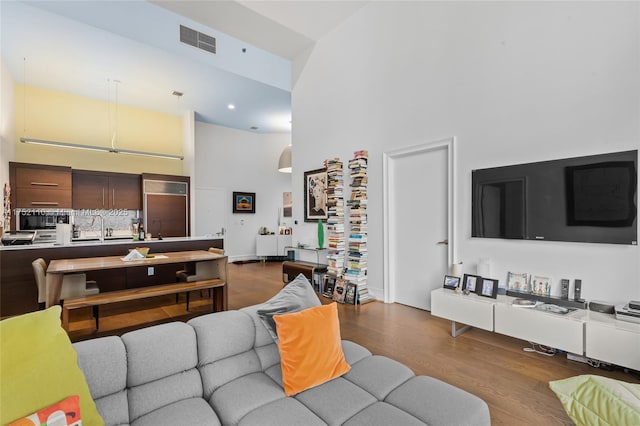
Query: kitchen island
{"points": [[18, 292]]}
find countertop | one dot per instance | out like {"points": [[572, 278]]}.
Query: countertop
{"points": [[107, 241]]}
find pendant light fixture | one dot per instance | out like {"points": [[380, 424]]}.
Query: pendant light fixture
{"points": [[284, 163]]}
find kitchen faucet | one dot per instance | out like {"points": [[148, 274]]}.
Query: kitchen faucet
{"points": [[101, 226]]}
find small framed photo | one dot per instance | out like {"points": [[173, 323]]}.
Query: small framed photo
{"points": [[244, 202], [488, 287], [470, 283], [451, 282], [541, 285], [518, 282]]}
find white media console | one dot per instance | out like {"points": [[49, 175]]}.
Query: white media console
{"points": [[591, 334]]}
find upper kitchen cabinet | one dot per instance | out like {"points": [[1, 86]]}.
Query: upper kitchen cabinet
{"points": [[40, 186], [103, 190]]}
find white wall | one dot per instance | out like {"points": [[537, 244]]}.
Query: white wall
{"points": [[236, 160], [513, 81], [7, 127]]}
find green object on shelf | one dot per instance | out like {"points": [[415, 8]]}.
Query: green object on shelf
{"points": [[320, 234]]}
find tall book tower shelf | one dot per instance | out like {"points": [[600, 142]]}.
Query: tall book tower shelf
{"points": [[356, 270], [347, 260], [335, 217]]}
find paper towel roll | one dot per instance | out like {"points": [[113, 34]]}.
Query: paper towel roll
{"points": [[63, 233]]}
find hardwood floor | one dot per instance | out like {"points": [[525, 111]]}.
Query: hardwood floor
{"points": [[494, 367]]}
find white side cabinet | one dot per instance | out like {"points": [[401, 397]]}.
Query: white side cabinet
{"points": [[557, 331], [272, 245], [613, 341], [469, 309]]}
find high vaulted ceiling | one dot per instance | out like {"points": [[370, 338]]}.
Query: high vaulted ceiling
{"points": [[130, 51]]}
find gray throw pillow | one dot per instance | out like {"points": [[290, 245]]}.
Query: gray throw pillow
{"points": [[296, 296]]}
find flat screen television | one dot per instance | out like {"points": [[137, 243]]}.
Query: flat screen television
{"points": [[583, 199]]}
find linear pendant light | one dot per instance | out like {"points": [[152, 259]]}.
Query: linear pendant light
{"points": [[100, 148]]}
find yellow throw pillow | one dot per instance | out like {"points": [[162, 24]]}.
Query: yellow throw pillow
{"points": [[39, 367], [591, 400], [310, 348]]}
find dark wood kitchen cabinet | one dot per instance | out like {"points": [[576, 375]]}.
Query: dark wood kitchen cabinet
{"points": [[40, 186], [103, 190]]}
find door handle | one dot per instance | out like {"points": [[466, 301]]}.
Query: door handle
{"points": [[443, 242]]}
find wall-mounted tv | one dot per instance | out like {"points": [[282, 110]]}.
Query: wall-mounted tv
{"points": [[583, 199]]}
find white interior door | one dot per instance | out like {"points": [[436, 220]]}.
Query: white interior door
{"points": [[210, 215], [418, 208]]}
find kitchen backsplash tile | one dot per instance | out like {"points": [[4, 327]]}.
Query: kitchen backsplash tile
{"points": [[119, 220]]}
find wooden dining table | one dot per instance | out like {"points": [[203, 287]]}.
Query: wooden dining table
{"points": [[59, 267]]}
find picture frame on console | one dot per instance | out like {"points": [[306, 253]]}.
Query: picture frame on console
{"points": [[518, 282], [470, 283], [541, 285], [451, 282], [315, 195], [488, 287]]}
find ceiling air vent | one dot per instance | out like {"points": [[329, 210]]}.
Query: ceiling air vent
{"points": [[197, 39]]}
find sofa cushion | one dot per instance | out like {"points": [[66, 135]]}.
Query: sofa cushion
{"points": [[239, 397], [382, 413], [159, 351], [310, 348], [282, 412], [336, 401], [225, 348], [104, 363], [161, 367], [439, 403], [39, 367], [193, 411], [353, 352], [378, 375], [296, 296]]}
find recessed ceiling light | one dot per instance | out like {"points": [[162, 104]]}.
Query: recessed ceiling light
{"points": [[176, 93], [231, 106], [253, 128]]}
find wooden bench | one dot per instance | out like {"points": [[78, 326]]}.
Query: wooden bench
{"points": [[291, 268], [218, 303]]}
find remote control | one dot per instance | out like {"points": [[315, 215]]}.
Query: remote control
{"points": [[577, 291], [564, 284]]}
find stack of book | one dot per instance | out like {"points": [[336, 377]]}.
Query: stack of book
{"points": [[356, 267], [335, 217]]}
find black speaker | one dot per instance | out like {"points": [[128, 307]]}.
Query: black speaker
{"points": [[601, 307], [564, 284], [577, 290]]}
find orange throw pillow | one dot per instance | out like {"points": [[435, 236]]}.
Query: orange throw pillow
{"points": [[310, 348]]}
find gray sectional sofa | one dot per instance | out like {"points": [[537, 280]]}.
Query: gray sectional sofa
{"points": [[224, 368]]}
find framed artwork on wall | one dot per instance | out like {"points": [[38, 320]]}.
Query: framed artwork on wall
{"points": [[315, 195], [244, 202]]}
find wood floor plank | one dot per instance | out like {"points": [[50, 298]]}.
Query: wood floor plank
{"points": [[494, 367]]}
